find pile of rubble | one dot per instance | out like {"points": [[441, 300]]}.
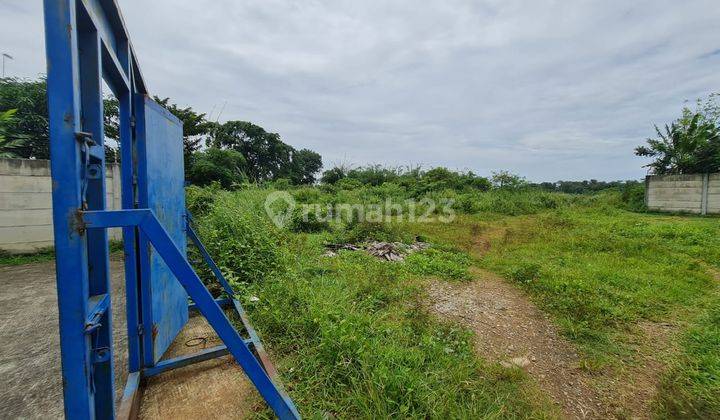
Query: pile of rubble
{"points": [[388, 251]]}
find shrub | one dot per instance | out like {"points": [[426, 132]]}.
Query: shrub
{"points": [[524, 272], [364, 231], [199, 200], [436, 262], [216, 165], [633, 197], [307, 222], [240, 238]]}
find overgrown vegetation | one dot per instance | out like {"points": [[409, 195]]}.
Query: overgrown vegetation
{"points": [[354, 341], [351, 334], [691, 388]]}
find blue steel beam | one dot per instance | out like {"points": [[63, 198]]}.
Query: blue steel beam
{"points": [[130, 402], [70, 245], [208, 259], [92, 120], [181, 361], [130, 232], [87, 41], [222, 302], [113, 218]]}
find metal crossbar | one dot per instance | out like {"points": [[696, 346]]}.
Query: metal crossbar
{"points": [[261, 372]]}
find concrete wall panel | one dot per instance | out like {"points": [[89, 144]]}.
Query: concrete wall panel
{"points": [[26, 203], [684, 193]]}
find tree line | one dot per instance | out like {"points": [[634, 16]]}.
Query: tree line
{"points": [[419, 182], [229, 153]]}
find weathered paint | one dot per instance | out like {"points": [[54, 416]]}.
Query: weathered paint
{"points": [[160, 147]]}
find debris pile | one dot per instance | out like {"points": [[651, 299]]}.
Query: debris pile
{"points": [[388, 251]]}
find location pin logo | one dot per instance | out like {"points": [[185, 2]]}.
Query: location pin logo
{"points": [[279, 206]]}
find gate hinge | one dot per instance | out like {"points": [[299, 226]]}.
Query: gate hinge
{"points": [[132, 121], [140, 329]]}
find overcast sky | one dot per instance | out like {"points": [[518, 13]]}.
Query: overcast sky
{"points": [[547, 89]]}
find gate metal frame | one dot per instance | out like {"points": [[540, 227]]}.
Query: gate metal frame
{"points": [[87, 42]]}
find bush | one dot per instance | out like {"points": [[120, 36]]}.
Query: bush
{"points": [[215, 165], [435, 262], [307, 222], [240, 238], [524, 272], [633, 197], [200, 200], [358, 232], [511, 203]]}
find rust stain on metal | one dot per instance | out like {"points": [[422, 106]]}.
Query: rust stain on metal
{"points": [[77, 222]]}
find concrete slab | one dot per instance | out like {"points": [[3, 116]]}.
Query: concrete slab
{"points": [[30, 383], [216, 389]]}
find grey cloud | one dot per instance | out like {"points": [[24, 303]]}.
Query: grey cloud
{"points": [[548, 89]]}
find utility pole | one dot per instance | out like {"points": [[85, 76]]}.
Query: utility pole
{"points": [[4, 56]]}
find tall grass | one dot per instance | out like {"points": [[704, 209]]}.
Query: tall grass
{"points": [[354, 340], [351, 334], [599, 271]]}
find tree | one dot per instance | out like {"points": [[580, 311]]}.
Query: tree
{"points": [[30, 122], [267, 156], [689, 145], [111, 117], [9, 142], [507, 181], [304, 165], [442, 178], [333, 175], [226, 167], [195, 127], [29, 99]]}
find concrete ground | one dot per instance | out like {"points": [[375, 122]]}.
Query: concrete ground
{"points": [[216, 389], [30, 384]]}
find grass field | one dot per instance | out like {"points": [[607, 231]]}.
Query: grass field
{"points": [[600, 271], [353, 336], [355, 340]]}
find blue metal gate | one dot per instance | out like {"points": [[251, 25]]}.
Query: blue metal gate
{"points": [[162, 190], [86, 43]]}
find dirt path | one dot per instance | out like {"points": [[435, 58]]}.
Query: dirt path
{"points": [[511, 330]]}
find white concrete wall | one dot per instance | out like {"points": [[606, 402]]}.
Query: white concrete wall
{"points": [[713, 194], [26, 203], [696, 193]]}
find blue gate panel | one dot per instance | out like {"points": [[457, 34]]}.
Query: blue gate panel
{"points": [[162, 146]]}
